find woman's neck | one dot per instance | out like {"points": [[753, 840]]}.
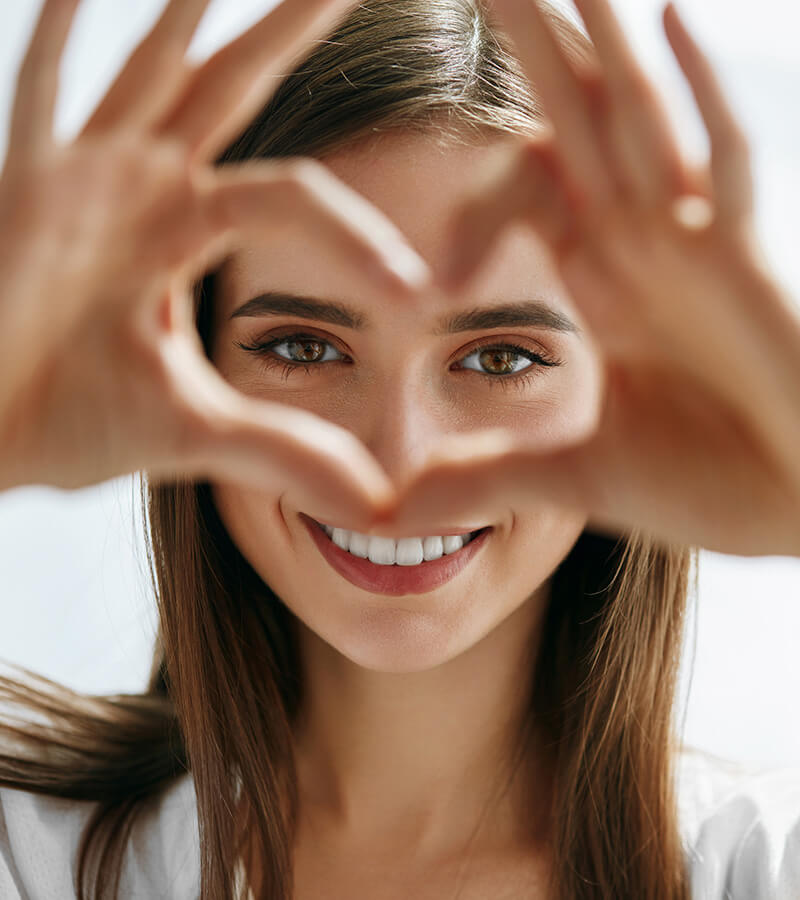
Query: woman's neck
{"points": [[419, 759]]}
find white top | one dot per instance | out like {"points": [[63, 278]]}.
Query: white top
{"points": [[741, 832]]}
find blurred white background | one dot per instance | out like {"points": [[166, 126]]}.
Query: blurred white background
{"points": [[76, 600]]}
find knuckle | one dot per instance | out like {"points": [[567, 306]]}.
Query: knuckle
{"points": [[532, 158], [538, 167], [594, 85]]}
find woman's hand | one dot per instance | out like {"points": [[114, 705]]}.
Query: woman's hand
{"points": [[103, 372], [698, 438]]}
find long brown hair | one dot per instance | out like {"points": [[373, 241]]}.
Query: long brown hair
{"points": [[225, 685]]}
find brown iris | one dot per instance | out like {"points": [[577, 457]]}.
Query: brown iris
{"points": [[307, 350], [498, 362]]}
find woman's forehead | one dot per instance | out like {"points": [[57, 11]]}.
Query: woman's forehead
{"points": [[416, 180]]}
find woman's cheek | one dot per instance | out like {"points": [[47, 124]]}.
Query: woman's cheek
{"points": [[560, 407], [564, 411]]}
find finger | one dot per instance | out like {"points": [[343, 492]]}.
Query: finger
{"points": [[697, 180], [225, 436], [302, 194], [231, 87], [37, 88], [731, 171], [563, 97], [155, 74], [523, 185], [641, 132]]}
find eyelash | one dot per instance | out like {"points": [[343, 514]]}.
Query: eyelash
{"points": [[517, 379]]}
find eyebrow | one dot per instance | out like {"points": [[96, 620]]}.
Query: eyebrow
{"points": [[535, 313]]}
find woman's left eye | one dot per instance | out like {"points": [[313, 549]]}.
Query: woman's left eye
{"points": [[496, 362], [502, 360]]}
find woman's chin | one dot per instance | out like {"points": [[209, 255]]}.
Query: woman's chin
{"points": [[403, 634]]}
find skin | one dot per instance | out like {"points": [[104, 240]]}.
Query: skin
{"points": [[430, 681]]}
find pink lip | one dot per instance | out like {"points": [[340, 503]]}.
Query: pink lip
{"points": [[393, 580]]}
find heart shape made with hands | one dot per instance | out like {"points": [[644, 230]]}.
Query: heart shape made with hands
{"points": [[693, 434]]}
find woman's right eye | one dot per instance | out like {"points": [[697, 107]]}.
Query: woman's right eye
{"points": [[304, 349], [297, 349]]}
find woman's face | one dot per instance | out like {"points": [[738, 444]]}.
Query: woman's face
{"points": [[401, 384]]}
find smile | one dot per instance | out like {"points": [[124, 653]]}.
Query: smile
{"points": [[395, 567]]}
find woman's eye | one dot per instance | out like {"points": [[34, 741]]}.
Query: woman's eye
{"points": [[499, 360], [508, 363], [304, 349], [301, 350]]}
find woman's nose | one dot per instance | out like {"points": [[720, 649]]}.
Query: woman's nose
{"points": [[402, 425]]}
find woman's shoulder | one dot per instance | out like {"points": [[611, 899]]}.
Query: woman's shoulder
{"points": [[40, 836], [741, 828]]}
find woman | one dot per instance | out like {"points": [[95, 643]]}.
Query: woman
{"points": [[346, 455]]}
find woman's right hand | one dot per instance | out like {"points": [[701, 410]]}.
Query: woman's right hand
{"points": [[102, 372]]}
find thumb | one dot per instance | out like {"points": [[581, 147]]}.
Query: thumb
{"points": [[226, 436]]}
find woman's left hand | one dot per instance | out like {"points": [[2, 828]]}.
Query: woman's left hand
{"points": [[698, 441]]}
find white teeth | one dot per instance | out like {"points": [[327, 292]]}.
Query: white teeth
{"points": [[402, 552], [341, 537], [409, 552], [453, 543], [359, 545], [382, 551], [433, 547]]}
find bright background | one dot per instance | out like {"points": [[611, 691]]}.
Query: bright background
{"points": [[76, 600]]}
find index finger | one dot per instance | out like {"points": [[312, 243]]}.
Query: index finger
{"points": [[564, 98], [613, 49], [231, 87], [644, 138], [154, 74]]}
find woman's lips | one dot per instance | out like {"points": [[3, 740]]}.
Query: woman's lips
{"points": [[393, 580]]}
